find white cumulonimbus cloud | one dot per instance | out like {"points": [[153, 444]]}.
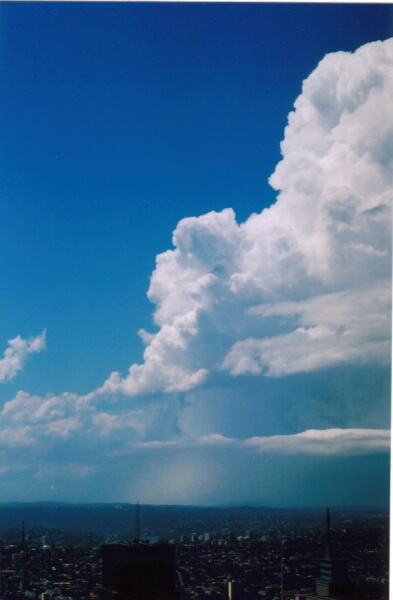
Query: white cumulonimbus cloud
{"points": [[16, 353], [341, 327], [304, 284]]}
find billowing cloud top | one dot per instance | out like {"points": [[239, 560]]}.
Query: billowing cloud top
{"points": [[305, 284]]}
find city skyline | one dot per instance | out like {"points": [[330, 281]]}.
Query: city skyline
{"points": [[196, 243]]}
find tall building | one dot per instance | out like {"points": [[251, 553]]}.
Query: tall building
{"points": [[333, 582], [139, 571], [233, 591]]}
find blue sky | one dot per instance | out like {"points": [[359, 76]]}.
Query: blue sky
{"points": [[120, 120]]}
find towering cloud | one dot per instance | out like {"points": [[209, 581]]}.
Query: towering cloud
{"points": [[305, 284]]}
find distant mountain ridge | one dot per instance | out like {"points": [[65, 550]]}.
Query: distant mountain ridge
{"points": [[161, 520]]}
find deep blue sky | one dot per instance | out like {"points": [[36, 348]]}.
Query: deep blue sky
{"points": [[117, 120]]}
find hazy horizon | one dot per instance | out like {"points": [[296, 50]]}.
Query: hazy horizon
{"points": [[228, 505]]}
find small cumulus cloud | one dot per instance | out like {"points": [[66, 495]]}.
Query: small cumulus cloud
{"points": [[63, 428], [12, 436], [29, 420], [106, 424], [16, 353], [33, 420]]}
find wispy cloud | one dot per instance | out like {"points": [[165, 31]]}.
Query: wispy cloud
{"points": [[16, 353], [74, 470], [312, 441], [325, 442]]}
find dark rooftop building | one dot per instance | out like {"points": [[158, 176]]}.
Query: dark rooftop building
{"points": [[139, 571], [333, 582]]}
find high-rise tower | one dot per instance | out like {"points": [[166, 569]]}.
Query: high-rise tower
{"points": [[139, 571], [333, 582]]}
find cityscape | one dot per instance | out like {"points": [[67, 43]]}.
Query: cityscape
{"points": [[237, 553]]}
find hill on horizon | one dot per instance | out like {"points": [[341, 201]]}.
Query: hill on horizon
{"points": [[163, 520]]}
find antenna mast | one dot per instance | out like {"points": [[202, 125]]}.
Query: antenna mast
{"points": [[23, 537], [22, 575], [282, 572], [328, 532], [137, 523], [281, 581]]}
